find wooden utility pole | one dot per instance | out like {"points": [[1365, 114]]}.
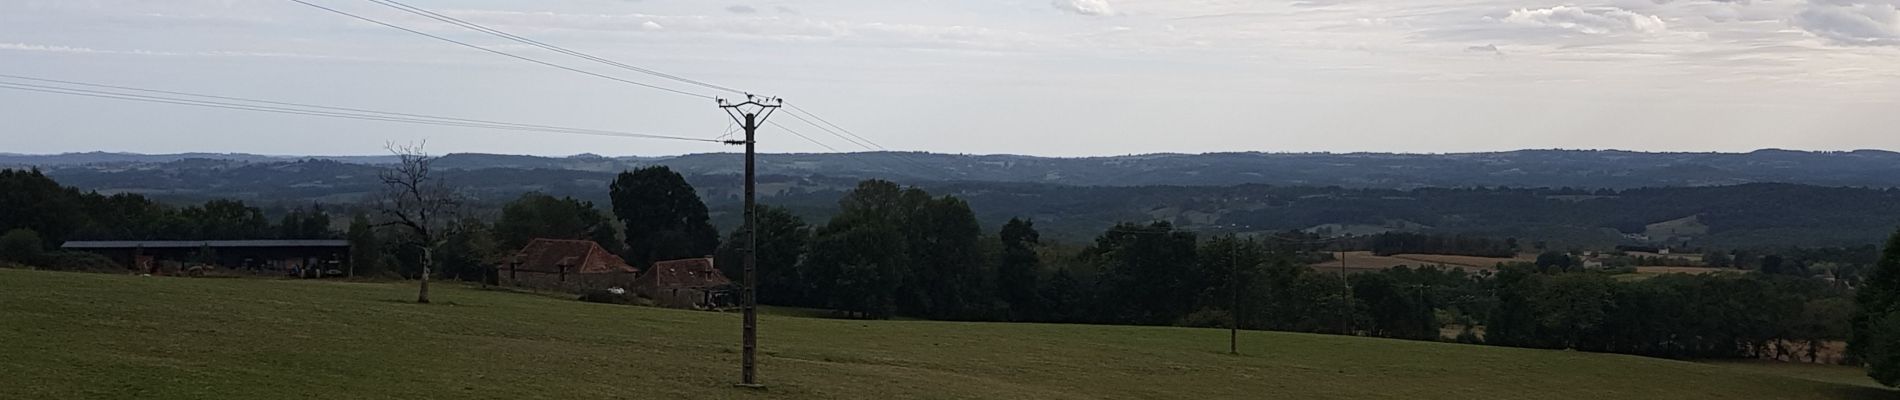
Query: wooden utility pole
{"points": [[1233, 283], [749, 115], [1345, 295]]}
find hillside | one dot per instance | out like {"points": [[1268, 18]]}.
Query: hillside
{"points": [[1525, 168], [1747, 215], [108, 336]]}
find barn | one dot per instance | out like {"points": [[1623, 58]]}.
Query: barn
{"points": [[568, 266], [689, 283]]}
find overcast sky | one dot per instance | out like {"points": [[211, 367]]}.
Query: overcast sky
{"points": [[1064, 78]]}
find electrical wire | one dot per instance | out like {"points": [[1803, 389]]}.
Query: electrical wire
{"points": [[503, 53], [359, 115], [795, 107], [827, 126], [550, 47]]}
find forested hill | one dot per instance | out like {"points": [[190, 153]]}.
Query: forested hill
{"points": [[1746, 215], [1526, 168]]}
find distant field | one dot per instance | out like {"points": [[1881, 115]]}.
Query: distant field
{"points": [[92, 336], [1366, 261], [1689, 257], [1685, 270], [1467, 261]]}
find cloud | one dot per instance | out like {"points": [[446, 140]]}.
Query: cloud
{"points": [[1489, 49], [651, 26], [1853, 22], [1086, 7], [742, 9], [1588, 20]]}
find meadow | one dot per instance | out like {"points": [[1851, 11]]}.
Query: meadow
{"points": [[98, 336]]}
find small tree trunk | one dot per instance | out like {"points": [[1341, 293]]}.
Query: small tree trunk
{"points": [[428, 259]]}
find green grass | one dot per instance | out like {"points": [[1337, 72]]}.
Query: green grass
{"points": [[65, 335]]}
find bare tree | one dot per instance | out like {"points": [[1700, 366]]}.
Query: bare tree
{"points": [[417, 201]]}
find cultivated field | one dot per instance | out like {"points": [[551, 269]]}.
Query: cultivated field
{"points": [[1464, 261], [1685, 270], [1365, 261], [78, 336]]}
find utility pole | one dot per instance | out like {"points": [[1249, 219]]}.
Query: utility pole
{"points": [[1233, 282], [1345, 296], [749, 115]]}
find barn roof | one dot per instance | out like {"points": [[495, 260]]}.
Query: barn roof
{"points": [[697, 273], [176, 244], [577, 256]]}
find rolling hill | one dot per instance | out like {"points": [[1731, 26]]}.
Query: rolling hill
{"points": [[1524, 168]]}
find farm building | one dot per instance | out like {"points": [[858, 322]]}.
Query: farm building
{"points": [[567, 265], [687, 283], [159, 257]]}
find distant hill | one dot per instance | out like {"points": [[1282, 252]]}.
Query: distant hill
{"points": [[1525, 168], [1739, 215]]}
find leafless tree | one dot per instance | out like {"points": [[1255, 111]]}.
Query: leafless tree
{"points": [[420, 203]]}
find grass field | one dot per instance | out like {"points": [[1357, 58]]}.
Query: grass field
{"points": [[125, 337]]}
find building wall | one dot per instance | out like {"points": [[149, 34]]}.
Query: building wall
{"points": [[571, 282], [687, 298]]}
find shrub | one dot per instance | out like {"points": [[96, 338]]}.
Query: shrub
{"points": [[1467, 336], [21, 246], [79, 261], [609, 296], [1205, 318]]}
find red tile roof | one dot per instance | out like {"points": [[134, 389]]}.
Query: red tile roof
{"points": [[578, 256]]}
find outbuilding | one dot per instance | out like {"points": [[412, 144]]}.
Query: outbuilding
{"points": [[689, 283], [568, 266]]}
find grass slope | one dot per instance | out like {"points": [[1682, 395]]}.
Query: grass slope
{"points": [[121, 337]]}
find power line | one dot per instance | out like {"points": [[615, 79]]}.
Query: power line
{"points": [[828, 130], [795, 107], [847, 136], [550, 47], [807, 138], [827, 125], [366, 115], [357, 110], [861, 141], [503, 53]]}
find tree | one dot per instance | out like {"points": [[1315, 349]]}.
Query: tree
{"points": [[1718, 259], [1876, 322], [21, 246], [1555, 260], [1150, 269], [33, 201], [782, 239], [226, 220], [536, 215], [945, 277], [1017, 272], [300, 223], [469, 253], [663, 216], [861, 258], [366, 250], [1393, 309], [421, 204]]}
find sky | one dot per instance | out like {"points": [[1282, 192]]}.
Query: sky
{"points": [[1053, 78]]}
